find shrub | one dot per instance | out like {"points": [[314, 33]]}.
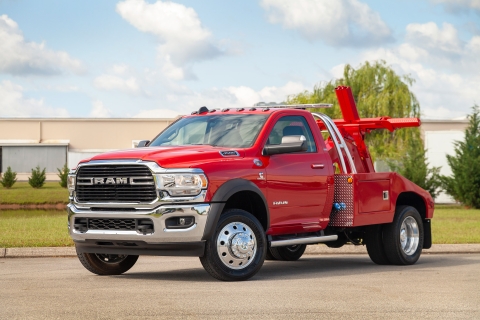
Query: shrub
{"points": [[464, 183], [63, 175], [9, 178], [37, 180]]}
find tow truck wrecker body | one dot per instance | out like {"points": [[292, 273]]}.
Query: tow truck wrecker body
{"points": [[238, 186]]}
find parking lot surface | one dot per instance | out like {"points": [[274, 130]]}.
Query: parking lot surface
{"points": [[441, 286]]}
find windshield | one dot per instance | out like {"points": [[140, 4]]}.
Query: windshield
{"points": [[227, 130]]}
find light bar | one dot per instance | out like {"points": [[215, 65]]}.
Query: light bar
{"points": [[304, 106]]}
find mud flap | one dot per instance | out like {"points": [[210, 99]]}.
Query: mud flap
{"points": [[427, 231]]}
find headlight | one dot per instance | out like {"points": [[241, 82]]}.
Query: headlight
{"points": [[71, 182], [182, 184]]}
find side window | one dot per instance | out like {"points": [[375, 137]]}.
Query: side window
{"points": [[292, 126]]}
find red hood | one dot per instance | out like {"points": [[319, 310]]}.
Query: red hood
{"points": [[169, 157]]}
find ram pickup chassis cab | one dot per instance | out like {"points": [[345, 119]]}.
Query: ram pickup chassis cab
{"points": [[238, 186]]}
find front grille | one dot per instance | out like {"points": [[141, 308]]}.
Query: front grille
{"points": [[115, 192], [111, 224]]}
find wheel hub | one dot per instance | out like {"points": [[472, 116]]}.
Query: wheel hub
{"points": [[242, 246], [236, 245], [409, 236]]}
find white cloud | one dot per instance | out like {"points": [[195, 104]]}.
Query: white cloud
{"points": [[338, 23], [20, 57], [232, 97], [445, 87], [112, 82], [14, 104], [183, 39], [99, 110], [460, 6]]}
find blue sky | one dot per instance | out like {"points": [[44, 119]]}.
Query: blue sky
{"points": [[140, 58]]}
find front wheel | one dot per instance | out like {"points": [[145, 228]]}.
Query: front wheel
{"points": [[289, 253], [237, 248], [403, 238], [107, 264]]}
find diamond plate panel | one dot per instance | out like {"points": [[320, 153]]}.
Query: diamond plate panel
{"points": [[343, 193]]}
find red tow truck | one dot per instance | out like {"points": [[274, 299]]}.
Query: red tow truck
{"points": [[238, 186]]}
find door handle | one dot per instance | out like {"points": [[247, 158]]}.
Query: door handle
{"points": [[318, 166]]}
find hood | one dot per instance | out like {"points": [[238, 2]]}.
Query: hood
{"points": [[171, 157]]}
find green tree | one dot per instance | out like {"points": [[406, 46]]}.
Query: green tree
{"points": [[37, 180], [464, 183], [378, 91], [63, 175], [9, 178], [414, 166]]}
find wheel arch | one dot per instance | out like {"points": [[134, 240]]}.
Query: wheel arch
{"points": [[414, 200], [418, 202], [240, 194]]}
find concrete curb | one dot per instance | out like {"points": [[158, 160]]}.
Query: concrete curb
{"points": [[312, 249], [39, 252], [435, 249]]}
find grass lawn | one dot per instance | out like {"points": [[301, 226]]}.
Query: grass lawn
{"points": [[40, 228], [23, 193], [33, 228], [454, 224]]}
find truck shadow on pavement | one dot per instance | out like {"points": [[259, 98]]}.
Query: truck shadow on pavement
{"points": [[311, 267]]}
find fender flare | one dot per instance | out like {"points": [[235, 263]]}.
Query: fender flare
{"points": [[221, 196]]}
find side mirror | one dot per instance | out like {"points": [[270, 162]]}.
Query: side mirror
{"points": [[289, 144], [143, 143]]}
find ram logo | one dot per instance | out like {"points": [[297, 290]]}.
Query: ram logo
{"points": [[114, 180]]}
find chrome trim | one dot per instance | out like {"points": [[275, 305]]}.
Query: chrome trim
{"points": [[157, 215], [163, 199], [290, 242], [180, 230], [338, 141]]}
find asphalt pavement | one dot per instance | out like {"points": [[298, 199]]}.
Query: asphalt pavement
{"points": [[333, 286]]}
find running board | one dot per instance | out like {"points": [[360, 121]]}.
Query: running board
{"points": [[308, 240]]}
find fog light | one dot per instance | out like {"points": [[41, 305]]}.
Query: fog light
{"points": [[179, 222]]}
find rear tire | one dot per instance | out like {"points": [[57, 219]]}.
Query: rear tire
{"points": [[290, 253], [107, 264], [236, 251], [403, 238], [269, 256], [374, 242]]}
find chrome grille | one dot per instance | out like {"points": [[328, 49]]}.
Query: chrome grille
{"points": [[116, 192]]}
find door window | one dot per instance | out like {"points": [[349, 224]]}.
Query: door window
{"points": [[292, 126]]}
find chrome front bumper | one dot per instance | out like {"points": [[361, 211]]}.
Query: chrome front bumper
{"points": [[161, 234]]}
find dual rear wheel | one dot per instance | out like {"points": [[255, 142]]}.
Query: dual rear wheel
{"points": [[398, 243]]}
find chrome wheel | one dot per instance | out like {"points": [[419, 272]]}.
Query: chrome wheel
{"points": [[409, 235], [236, 245], [111, 258]]}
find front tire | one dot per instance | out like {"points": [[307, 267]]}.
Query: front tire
{"points": [[290, 253], [403, 238], [237, 248], [107, 264]]}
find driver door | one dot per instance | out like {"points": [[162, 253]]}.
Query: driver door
{"points": [[296, 182]]}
